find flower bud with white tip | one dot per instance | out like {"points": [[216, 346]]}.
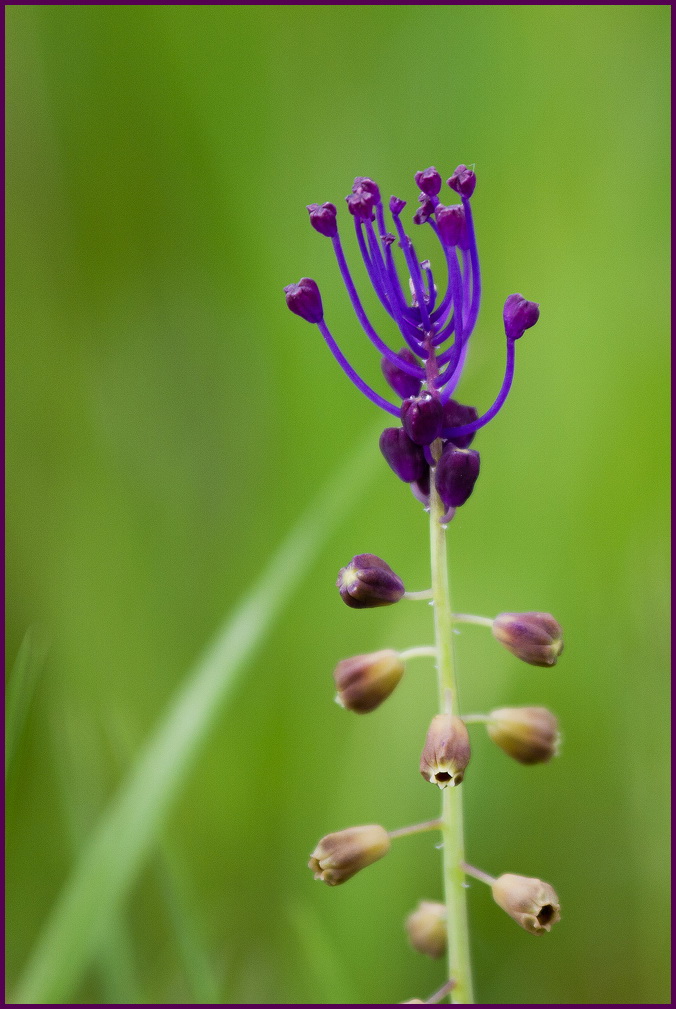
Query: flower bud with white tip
{"points": [[446, 752], [367, 581], [365, 681], [535, 638], [340, 856], [532, 904]]}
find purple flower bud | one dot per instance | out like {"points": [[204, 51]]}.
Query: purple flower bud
{"points": [[404, 385], [387, 238], [403, 455], [536, 638], [362, 183], [420, 489], [305, 300], [361, 204], [452, 225], [429, 181], [367, 581], [424, 212], [323, 219], [455, 415], [455, 475], [422, 418], [396, 205], [463, 181], [519, 315]]}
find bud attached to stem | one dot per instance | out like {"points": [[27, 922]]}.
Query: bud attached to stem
{"points": [[365, 681], [340, 856], [426, 928], [367, 581], [530, 902], [529, 735], [446, 752], [535, 638]]}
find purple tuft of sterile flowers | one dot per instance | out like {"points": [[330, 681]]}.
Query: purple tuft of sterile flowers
{"points": [[436, 430]]}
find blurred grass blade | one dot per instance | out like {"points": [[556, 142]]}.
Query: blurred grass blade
{"points": [[329, 980], [127, 830], [25, 673]]}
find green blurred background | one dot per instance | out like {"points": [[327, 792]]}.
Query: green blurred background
{"points": [[168, 419]]}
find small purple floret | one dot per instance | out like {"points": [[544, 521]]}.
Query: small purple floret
{"points": [[305, 300], [429, 181], [519, 315], [422, 418], [424, 212], [361, 204], [404, 385], [452, 225], [455, 415], [455, 475], [402, 455], [396, 205], [463, 181], [323, 219]]}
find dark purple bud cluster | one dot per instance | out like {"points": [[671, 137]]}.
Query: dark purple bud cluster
{"points": [[436, 430]]}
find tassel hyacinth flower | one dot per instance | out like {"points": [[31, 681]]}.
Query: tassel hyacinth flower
{"points": [[427, 445]]}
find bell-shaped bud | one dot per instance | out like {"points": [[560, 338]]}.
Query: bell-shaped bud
{"points": [[452, 225], [426, 928], [396, 205], [403, 455], [422, 418], [446, 751], [305, 300], [365, 681], [367, 581], [535, 638], [323, 219], [463, 181], [530, 735], [530, 902], [519, 315], [404, 385], [366, 185], [456, 415], [361, 204], [455, 474], [424, 211], [339, 856], [429, 181]]}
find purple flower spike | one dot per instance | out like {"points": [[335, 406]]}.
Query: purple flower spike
{"points": [[429, 181], [361, 204], [423, 213], [463, 181], [323, 219], [455, 475], [402, 455], [364, 184], [519, 315], [422, 417], [305, 300], [396, 205], [452, 225], [404, 385], [455, 414]]}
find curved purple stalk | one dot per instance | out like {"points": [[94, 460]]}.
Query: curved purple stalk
{"points": [[352, 374], [391, 270], [414, 270], [463, 429], [440, 314], [431, 289], [407, 329], [411, 369], [452, 382], [372, 270], [476, 271]]}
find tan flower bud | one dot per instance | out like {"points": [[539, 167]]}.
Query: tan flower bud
{"points": [[339, 856], [426, 928], [534, 637], [446, 752], [530, 902], [530, 735], [365, 681]]}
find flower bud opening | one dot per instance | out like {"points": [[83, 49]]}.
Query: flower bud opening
{"points": [[519, 315], [446, 752], [529, 735], [463, 181], [323, 219], [340, 856], [367, 581], [530, 902], [426, 928], [535, 638], [365, 681]]}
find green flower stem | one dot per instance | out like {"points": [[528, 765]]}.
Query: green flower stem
{"points": [[421, 652], [452, 821], [422, 595], [470, 618], [416, 828], [479, 874]]}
